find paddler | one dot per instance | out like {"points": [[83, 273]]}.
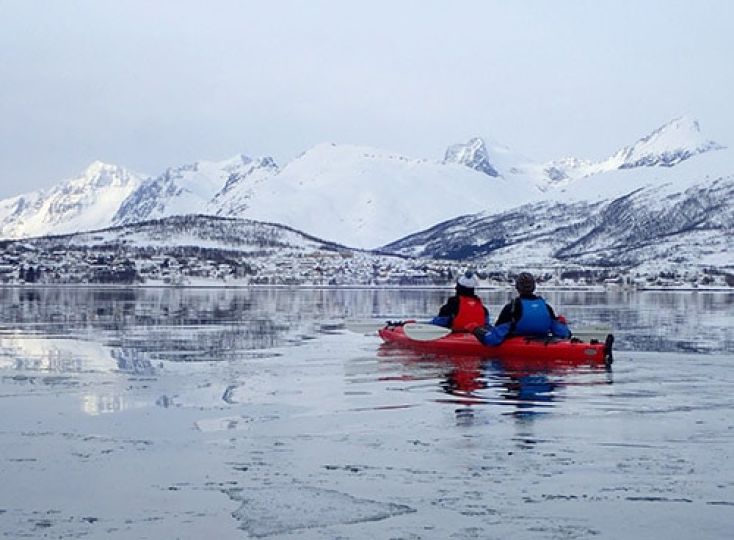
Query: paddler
{"points": [[526, 315], [463, 311]]}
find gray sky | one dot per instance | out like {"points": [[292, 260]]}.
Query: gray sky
{"points": [[149, 84]]}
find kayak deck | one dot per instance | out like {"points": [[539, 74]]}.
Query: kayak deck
{"points": [[536, 348]]}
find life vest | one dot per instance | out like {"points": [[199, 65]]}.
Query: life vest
{"points": [[471, 311], [534, 319]]}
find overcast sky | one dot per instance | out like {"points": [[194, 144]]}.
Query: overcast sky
{"points": [[150, 84]]}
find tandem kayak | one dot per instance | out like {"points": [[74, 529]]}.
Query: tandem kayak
{"points": [[517, 347]]}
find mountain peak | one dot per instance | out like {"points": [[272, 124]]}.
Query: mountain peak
{"points": [[100, 174], [676, 141], [473, 154], [97, 167]]}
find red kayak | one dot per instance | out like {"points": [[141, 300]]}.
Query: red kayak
{"points": [[517, 347]]}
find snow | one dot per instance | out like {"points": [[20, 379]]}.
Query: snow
{"points": [[234, 198], [83, 203], [188, 189], [704, 169], [364, 197], [667, 146], [676, 140]]}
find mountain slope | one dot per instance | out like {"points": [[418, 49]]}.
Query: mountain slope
{"points": [[181, 190], [82, 203], [672, 143], [234, 198], [197, 231], [615, 182], [667, 146], [366, 197], [668, 223]]}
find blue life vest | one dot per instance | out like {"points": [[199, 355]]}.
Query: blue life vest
{"points": [[535, 319]]}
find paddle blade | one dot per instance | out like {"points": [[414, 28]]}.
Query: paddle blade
{"points": [[425, 332]]}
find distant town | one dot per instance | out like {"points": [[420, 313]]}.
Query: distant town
{"points": [[27, 262]]}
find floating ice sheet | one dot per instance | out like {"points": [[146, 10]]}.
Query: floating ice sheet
{"points": [[278, 510]]}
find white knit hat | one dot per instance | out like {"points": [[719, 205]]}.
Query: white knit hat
{"points": [[468, 280]]}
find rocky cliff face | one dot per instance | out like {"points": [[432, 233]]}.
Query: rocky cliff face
{"points": [[473, 155]]}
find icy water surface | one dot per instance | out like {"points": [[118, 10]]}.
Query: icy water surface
{"points": [[256, 414]]}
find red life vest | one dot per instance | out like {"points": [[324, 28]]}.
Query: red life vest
{"points": [[471, 310]]}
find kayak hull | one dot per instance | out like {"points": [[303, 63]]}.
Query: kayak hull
{"points": [[532, 348]]}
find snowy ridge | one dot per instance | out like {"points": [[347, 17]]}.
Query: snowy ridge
{"points": [[82, 203], [180, 190], [667, 146], [365, 197], [703, 168], [200, 231], [674, 142]]}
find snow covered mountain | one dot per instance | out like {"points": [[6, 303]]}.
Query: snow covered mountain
{"points": [[364, 197], [357, 196], [669, 145], [79, 204], [184, 190], [674, 142], [658, 219]]}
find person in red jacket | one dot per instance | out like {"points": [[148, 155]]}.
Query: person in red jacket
{"points": [[464, 310]]}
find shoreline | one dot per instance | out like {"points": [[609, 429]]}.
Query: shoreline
{"points": [[562, 288]]}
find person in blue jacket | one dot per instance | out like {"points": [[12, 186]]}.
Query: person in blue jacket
{"points": [[526, 315]]}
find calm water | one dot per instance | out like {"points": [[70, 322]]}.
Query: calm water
{"points": [[254, 413]]}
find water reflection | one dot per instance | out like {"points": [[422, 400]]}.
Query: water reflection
{"points": [[659, 321], [132, 361], [221, 320], [70, 355], [66, 332], [529, 387]]}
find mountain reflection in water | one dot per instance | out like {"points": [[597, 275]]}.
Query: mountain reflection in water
{"points": [[217, 324]]}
